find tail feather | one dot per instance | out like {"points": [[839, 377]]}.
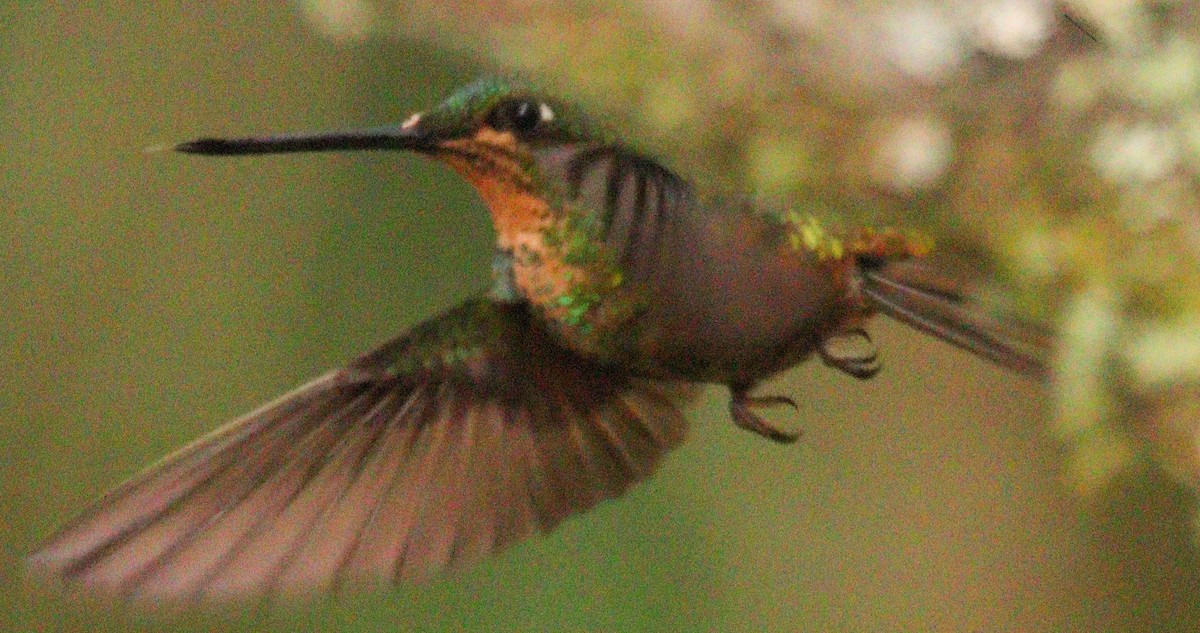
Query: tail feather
{"points": [[918, 295]]}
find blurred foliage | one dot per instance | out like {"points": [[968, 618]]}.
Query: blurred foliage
{"points": [[1059, 143]]}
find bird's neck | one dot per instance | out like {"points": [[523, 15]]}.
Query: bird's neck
{"points": [[529, 223], [502, 178]]}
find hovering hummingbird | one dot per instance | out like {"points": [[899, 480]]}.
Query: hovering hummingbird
{"points": [[556, 388]]}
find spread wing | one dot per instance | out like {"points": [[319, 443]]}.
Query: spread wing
{"points": [[446, 444]]}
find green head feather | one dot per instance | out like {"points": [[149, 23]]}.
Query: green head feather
{"points": [[468, 108]]}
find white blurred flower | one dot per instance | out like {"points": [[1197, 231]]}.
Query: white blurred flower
{"points": [[341, 20], [801, 15], [923, 40], [913, 153], [1015, 29], [1134, 153]]}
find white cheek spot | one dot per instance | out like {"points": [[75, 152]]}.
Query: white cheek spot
{"points": [[546, 112], [411, 121]]}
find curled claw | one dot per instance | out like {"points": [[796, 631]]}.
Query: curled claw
{"points": [[741, 410], [851, 352]]}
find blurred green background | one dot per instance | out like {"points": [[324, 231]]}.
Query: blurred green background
{"points": [[148, 296]]}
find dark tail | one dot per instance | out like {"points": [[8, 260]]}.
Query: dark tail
{"points": [[916, 293]]}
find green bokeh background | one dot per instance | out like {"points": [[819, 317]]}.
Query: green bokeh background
{"points": [[145, 297]]}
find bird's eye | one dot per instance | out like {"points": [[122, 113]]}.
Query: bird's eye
{"points": [[521, 116]]}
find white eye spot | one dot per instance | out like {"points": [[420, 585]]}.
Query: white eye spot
{"points": [[546, 112], [412, 120]]}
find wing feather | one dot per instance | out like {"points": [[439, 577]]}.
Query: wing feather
{"points": [[234, 522], [239, 557], [443, 446]]}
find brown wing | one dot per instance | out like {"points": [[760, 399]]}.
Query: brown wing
{"points": [[447, 444]]}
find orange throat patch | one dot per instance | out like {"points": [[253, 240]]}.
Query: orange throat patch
{"points": [[489, 160], [570, 294]]}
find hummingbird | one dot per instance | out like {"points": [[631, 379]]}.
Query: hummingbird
{"points": [[615, 288]]}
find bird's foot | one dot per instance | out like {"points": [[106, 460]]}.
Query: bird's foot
{"points": [[741, 408], [852, 352]]}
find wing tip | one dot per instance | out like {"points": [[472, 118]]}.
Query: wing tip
{"points": [[50, 559]]}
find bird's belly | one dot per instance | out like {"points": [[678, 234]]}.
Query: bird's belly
{"points": [[739, 321], [724, 300]]}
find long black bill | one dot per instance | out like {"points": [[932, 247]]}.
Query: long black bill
{"points": [[395, 137]]}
